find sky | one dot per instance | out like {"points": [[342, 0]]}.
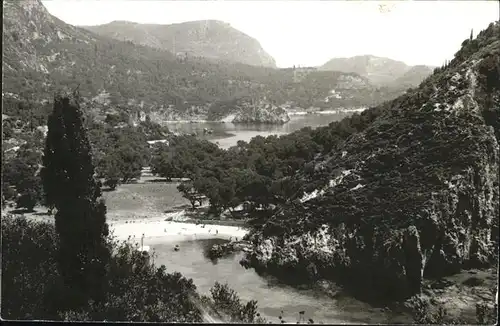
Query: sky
{"points": [[309, 33]]}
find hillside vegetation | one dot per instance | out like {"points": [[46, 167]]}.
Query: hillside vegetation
{"points": [[413, 194]]}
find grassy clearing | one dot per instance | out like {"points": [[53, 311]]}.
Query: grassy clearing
{"points": [[145, 199], [150, 199], [140, 200]]}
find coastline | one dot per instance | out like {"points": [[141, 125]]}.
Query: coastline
{"points": [[325, 112]]}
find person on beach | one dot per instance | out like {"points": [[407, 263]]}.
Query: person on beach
{"points": [[216, 231]]}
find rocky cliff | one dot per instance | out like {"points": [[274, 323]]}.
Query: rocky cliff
{"points": [[208, 38], [414, 195]]}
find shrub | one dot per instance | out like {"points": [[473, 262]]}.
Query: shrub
{"points": [[226, 304], [29, 268], [424, 313]]}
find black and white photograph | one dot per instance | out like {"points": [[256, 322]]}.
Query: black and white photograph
{"points": [[255, 162]]}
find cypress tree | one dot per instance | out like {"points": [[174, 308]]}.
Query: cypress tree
{"points": [[80, 220]]}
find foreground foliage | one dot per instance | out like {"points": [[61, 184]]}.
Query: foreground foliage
{"points": [[136, 289], [425, 313], [74, 271], [80, 220]]}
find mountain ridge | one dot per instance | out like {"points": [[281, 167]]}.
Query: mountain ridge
{"points": [[212, 39], [42, 54], [379, 70]]}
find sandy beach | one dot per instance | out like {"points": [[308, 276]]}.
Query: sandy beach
{"points": [[157, 230], [161, 231]]}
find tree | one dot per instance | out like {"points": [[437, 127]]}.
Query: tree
{"points": [[130, 161], [189, 192], [21, 174], [109, 169], [69, 185], [162, 162]]}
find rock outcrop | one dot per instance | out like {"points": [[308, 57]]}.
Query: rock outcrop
{"points": [[414, 195], [262, 113], [248, 110], [226, 249]]}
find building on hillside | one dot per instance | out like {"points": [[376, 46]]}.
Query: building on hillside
{"points": [[152, 142]]}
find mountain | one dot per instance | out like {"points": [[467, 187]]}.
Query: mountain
{"points": [[412, 77], [208, 39], [42, 54], [380, 71], [414, 195]]}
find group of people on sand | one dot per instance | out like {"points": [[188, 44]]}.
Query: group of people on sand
{"points": [[209, 231]]}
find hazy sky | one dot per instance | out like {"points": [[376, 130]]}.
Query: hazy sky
{"points": [[309, 33]]}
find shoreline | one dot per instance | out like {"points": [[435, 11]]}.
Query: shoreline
{"points": [[290, 113], [161, 231], [327, 112], [162, 228]]}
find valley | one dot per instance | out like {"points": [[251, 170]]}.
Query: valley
{"points": [[363, 190]]}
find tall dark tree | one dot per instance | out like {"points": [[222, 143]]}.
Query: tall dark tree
{"points": [[70, 187]]}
